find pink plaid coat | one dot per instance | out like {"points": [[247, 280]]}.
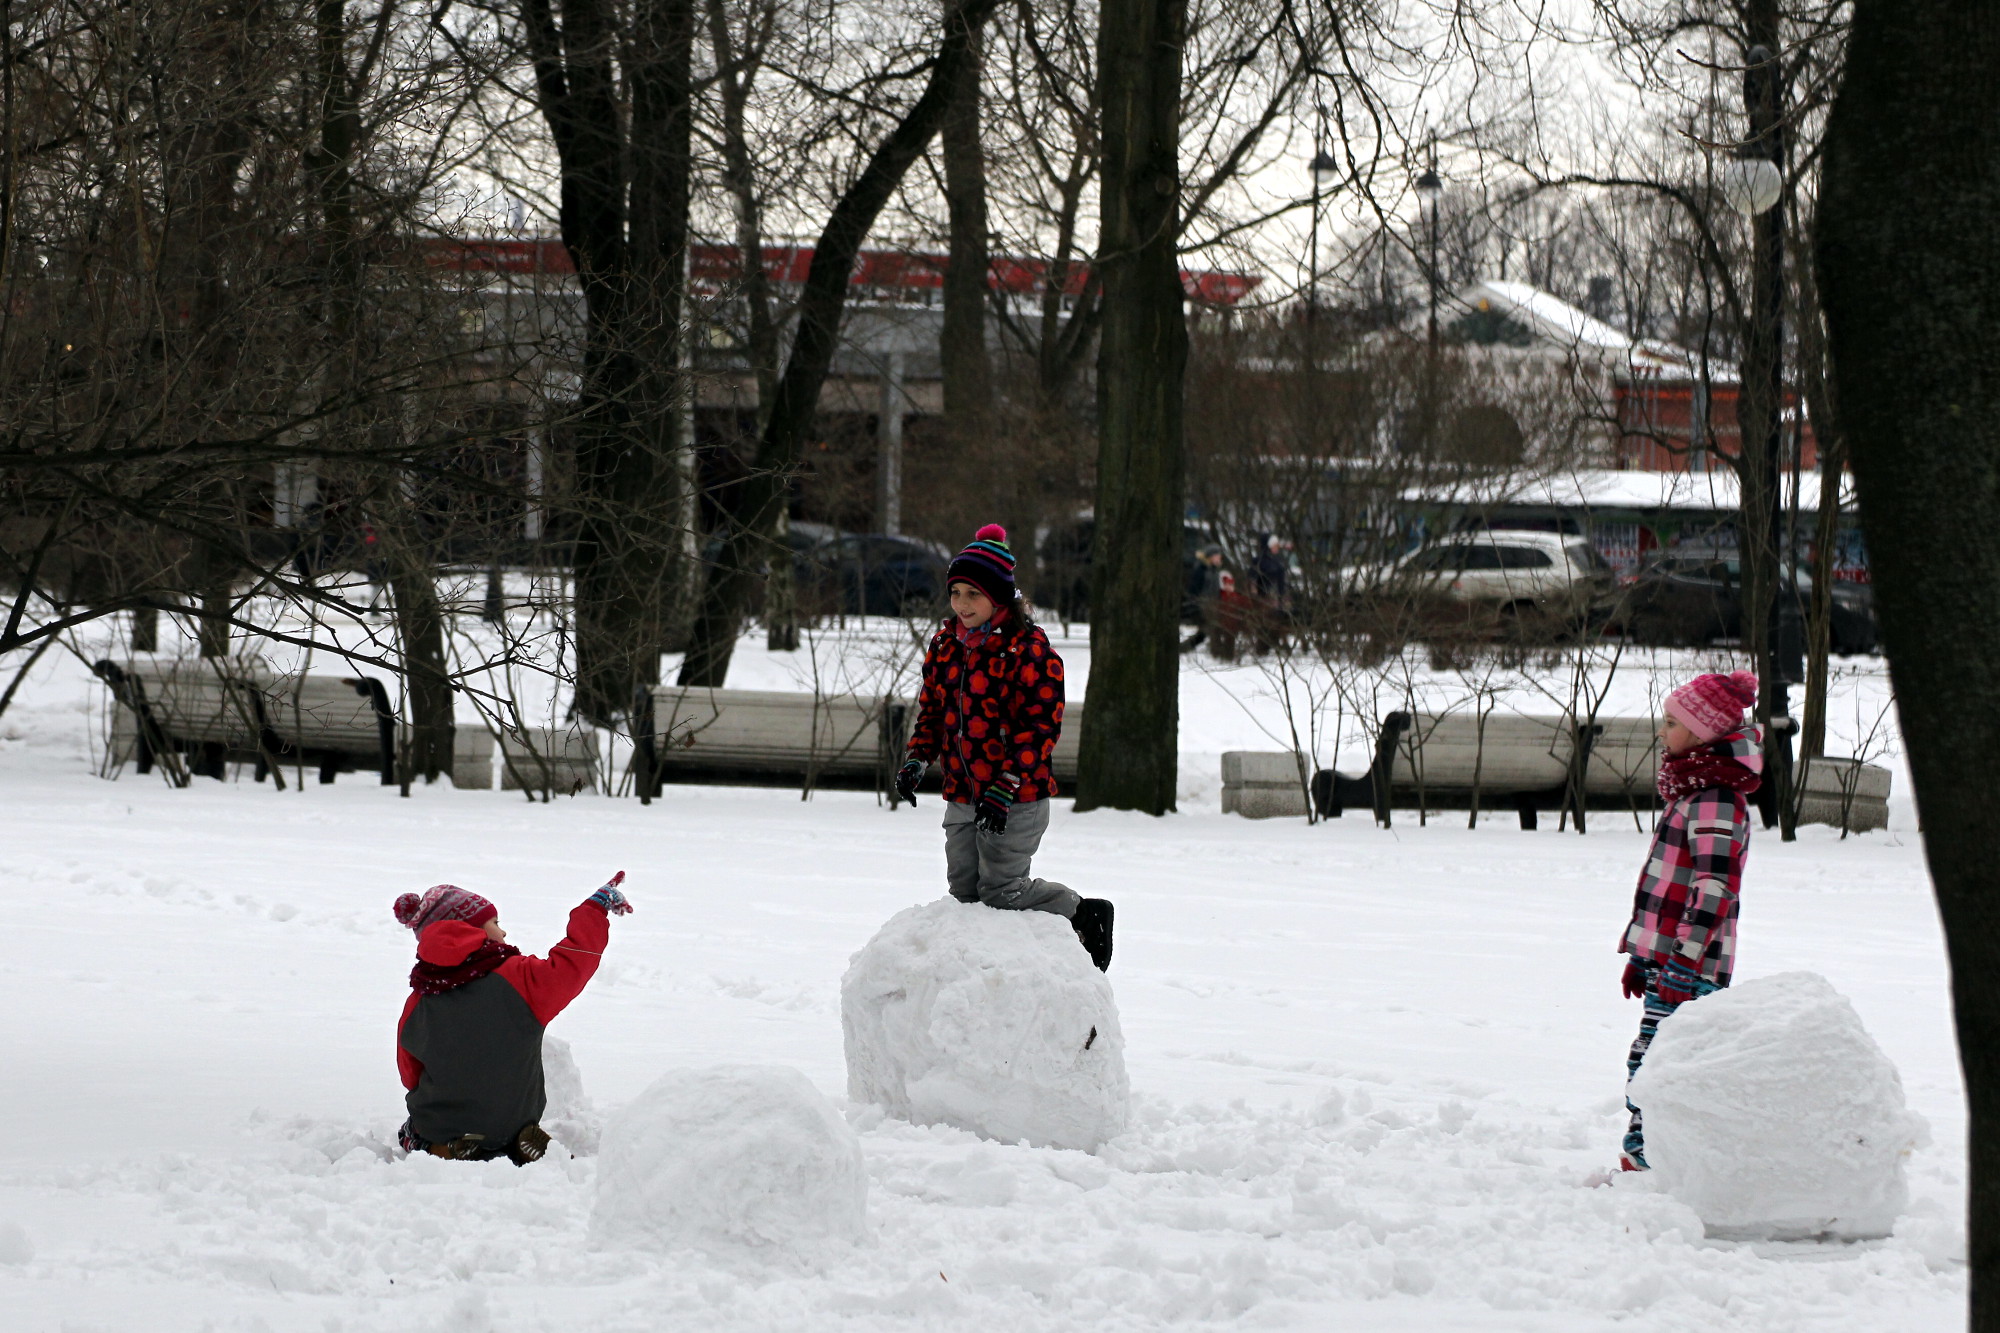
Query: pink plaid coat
{"points": [[1686, 903]]}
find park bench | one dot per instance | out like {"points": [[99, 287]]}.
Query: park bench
{"points": [[196, 716], [763, 737], [1527, 763]]}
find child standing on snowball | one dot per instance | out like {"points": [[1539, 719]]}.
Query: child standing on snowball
{"points": [[989, 713], [469, 1043], [1682, 937]]}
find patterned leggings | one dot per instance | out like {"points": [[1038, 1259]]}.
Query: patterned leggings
{"points": [[1656, 1009]]}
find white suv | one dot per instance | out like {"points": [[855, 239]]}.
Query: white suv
{"points": [[1512, 572]]}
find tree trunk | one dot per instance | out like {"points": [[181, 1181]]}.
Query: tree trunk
{"points": [[624, 463], [731, 584], [968, 376], [1130, 745], [1909, 263], [420, 629]]}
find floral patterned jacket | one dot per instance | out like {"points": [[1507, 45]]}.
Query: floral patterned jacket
{"points": [[990, 710]]}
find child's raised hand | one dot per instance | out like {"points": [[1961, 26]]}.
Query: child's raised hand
{"points": [[610, 899]]}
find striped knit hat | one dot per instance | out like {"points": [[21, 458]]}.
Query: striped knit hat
{"points": [[987, 564], [443, 902]]}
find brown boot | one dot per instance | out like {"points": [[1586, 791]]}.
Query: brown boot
{"points": [[530, 1143]]}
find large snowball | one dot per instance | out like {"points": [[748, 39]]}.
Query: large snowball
{"points": [[1774, 1115], [993, 1021], [569, 1116], [737, 1153]]}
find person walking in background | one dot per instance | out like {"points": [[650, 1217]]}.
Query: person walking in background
{"points": [[469, 1043], [1271, 587], [989, 713], [1681, 940], [1205, 590]]}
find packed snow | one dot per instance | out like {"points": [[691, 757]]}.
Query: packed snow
{"points": [[751, 1154], [1774, 1115], [992, 1021], [1377, 1074]]}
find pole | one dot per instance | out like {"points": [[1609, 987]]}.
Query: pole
{"points": [[1764, 365], [889, 447]]}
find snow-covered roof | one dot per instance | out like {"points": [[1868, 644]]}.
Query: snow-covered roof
{"points": [[1554, 321]]}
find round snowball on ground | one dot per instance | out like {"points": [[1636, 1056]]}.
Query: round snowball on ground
{"points": [[992, 1021], [1774, 1115], [743, 1154]]}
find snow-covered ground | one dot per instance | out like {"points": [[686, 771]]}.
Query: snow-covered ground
{"points": [[1375, 1071]]}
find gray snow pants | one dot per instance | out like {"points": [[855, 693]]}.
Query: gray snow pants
{"points": [[992, 868]]}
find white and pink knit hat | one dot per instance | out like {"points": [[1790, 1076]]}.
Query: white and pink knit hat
{"points": [[1713, 705], [443, 902]]}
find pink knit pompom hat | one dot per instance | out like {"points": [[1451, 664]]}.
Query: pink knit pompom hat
{"points": [[1713, 705], [443, 902]]}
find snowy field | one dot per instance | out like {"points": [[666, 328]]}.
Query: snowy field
{"points": [[1377, 1072]]}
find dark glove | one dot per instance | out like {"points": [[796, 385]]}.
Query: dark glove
{"points": [[610, 899], [1634, 981], [994, 805], [907, 778], [1677, 982]]}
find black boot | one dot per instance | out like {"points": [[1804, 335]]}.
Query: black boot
{"points": [[1093, 926]]}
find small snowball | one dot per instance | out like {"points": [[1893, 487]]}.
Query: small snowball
{"points": [[995, 1022], [283, 911], [15, 1247], [750, 1154], [1774, 1115]]}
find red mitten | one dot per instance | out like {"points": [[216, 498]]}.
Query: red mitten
{"points": [[1634, 981]]}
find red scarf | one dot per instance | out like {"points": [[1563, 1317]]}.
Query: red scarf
{"points": [[433, 979], [1702, 769]]}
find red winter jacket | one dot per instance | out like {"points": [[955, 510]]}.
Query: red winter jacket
{"points": [[471, 1058], [990, 707]]}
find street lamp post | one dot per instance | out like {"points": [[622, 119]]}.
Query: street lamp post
{"points": [[1325, 170], [1429, 190], [1753, 183]]}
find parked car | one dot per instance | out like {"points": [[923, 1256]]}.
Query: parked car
{"points": [[1064, 583], [1688, 598], [1516, 576], [876, 574]]}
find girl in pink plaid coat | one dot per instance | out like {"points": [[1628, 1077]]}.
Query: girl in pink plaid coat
{"points": [[1681, 942]]}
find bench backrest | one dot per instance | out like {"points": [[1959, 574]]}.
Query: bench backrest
{"points": [[766, 730], [323, 713], [781, 731], [193, 699], [1518, 753]]}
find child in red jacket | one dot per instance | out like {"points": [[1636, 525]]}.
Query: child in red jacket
{"points": [[1681, 941], [469, 1044], [989, 714]]}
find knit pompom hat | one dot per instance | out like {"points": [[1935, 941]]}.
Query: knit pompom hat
{"points": [[443, 902], [987, 564], [1713, 705]]}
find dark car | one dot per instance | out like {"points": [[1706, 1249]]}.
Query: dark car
{"points": [[1065, 574], [875, 574], [1688, 599]]}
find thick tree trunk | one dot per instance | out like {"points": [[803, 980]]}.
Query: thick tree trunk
{"points": [[1131, 721], [732, 583], [625, 465], [968, 375], [1909, 262]]}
